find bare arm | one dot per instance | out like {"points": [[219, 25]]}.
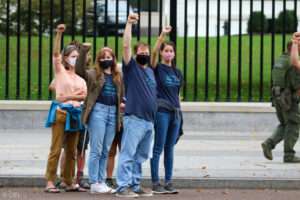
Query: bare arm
{"points": [[79, 96], [132, 18], [80, 66], [295, 51], [159, 41], [56, 50]]}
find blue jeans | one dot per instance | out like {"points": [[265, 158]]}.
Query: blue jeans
{"points": [[166, 134], [136, 148], [102, 129]]}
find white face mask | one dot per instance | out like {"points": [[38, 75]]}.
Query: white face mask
{"points": [[72, 61]]}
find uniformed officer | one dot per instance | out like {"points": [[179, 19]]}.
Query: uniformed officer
{"points": [[285, 98]]}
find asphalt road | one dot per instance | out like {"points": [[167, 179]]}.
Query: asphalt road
{"points": [[192, 194]]}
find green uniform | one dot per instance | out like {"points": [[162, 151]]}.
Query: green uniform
{"points": [[288, 129]]}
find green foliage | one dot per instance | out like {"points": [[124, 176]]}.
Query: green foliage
{"points": [[35, 15], [255, 23], [290, 22]]}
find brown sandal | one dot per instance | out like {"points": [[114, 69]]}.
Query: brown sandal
{"points": [[53, 190]]}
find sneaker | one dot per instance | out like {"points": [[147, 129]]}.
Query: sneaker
{"points": [[84, 184], [100, 188], [110, 183], [158, 189], [142, 193], [293, 159], [170, 189], [127, 193], [267, 151]]}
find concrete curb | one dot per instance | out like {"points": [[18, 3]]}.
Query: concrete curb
{"points": [[18, 105], [206, 183]]}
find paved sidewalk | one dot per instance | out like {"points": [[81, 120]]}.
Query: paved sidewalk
{"points": [[199, 156]]}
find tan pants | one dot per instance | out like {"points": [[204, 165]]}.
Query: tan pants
{"points": [[71, 139]]}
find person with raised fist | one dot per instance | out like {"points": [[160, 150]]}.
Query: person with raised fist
{"points": [[140, 110]]}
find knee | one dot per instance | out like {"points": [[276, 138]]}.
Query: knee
{"points": [[157, 149], [54, 152], [169, 148]]}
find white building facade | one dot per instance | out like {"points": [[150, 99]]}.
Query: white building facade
{"points": [[223, 14]]}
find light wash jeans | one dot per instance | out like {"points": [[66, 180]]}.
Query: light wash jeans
{"points": [[136, 146], [102, 129]]}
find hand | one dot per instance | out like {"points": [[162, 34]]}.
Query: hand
{"points": [[86, 46], [61, 28], [133, 18], [122, 107], [78, 91], [166, 30], [296, 36], [294, 41]]}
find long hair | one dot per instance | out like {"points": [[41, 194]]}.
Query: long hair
{"points": [[172, 44], [114, 70]]}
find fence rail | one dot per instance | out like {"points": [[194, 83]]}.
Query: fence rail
{"points": [[224, 54]]}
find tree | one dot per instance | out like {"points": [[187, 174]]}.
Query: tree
{"points": [[255, 23], [290, 23], [35, 14]]}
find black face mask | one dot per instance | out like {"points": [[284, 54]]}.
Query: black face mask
{"points": [[105, 64], [142, 59]]}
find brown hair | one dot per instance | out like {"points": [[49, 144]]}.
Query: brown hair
{"points": [[169, 43], [99, 71], [66, 52], [138, 45]]}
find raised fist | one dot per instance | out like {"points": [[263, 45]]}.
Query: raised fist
{"points": [[166, 30], [61, 28], [86, 46], [133, 18]]}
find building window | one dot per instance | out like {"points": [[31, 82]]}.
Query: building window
{"points": [[145, 5]]}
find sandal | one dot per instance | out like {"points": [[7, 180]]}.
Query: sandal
{"points": [[75, 188], [52, 190]]}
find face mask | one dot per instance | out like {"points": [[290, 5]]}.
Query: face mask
{"points": [[105, 64], [168, 56], [142, 59], [72, 61]]}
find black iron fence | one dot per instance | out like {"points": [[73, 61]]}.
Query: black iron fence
{"points": [[225, 49]]}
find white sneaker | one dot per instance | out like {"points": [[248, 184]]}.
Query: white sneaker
{"points": [[95, 188], [104, 188]]}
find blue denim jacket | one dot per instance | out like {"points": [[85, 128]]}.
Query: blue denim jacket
{"points": [[73, 118]]}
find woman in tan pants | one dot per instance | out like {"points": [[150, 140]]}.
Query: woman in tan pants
{"points": [[70, 90]]}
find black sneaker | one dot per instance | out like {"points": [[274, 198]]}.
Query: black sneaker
{"points": [[267, 151], [82, 183], [158, 189], [110, 183], [170, 189], [291, 159], [126, 193], [143, 193]]}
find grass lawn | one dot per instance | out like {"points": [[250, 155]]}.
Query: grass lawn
{"points": [[191, 66]]}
